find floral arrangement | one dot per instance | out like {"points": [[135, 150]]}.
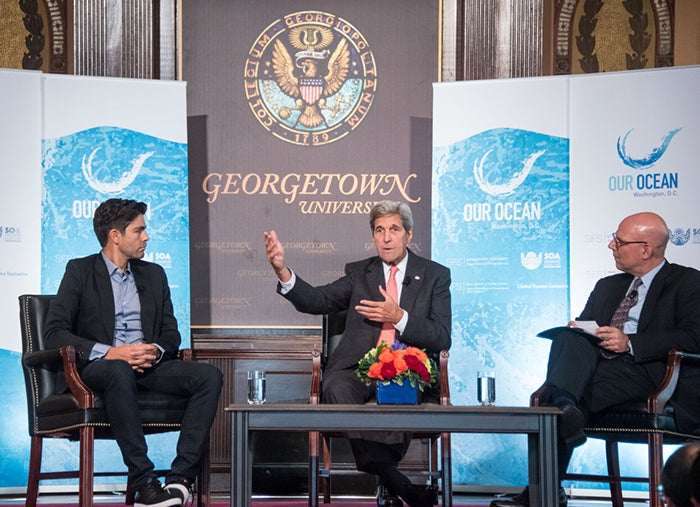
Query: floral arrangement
{"points": [[388, 364]]}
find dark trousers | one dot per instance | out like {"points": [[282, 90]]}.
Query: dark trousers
{"points": [[377, 453], [118, 383], [575, 365]]}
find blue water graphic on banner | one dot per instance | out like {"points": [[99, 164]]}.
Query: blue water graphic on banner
{"points": [[88, 167], [501, 222], [83, 169]]}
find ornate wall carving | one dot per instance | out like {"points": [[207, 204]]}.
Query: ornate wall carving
{"points": [[599, 36]]}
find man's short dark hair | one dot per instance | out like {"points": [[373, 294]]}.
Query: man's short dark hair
{"points": [[115, 214], [675, 477], [384, 208]]}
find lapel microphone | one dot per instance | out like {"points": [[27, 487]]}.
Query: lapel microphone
{"points": [[406, 280]]}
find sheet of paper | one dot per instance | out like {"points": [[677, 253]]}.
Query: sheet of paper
{"points": [[588, 326]]}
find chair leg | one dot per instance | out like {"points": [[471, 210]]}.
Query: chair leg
{"points": [[313, 467], [656, 443], [326, 481], [204, 478], [87, 462], [434, 465], [34, 472], [613, 459]]}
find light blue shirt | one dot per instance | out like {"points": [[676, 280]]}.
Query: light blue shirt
{"points": [[127, 309], [632, 321]]}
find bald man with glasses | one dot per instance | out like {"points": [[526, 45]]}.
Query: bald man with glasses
{"points": [[652, 306]]}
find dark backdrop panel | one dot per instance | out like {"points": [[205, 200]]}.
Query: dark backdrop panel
{"points": [[326, 226]]}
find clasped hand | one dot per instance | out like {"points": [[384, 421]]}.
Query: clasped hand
{"points": [[139, 355], [380, 311]]}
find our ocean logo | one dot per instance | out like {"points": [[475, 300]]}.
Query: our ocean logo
{"points": [[645, 183], [509, 182], [647, 160], [121, 180]]}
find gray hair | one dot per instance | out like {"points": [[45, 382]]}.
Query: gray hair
{"points": [[384, 208]]}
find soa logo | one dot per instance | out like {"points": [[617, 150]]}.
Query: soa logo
{"points": [[162, 258]]}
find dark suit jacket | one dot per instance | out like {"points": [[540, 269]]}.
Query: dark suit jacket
{"points": [[669, 318], [83, 311], [425, 296]]}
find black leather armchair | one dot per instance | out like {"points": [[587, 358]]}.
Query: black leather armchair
{"points": [[320, 465], [651, 422], [78, 415]]}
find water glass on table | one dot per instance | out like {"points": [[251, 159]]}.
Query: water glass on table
{"points": [[486, 387], [256, 387]]}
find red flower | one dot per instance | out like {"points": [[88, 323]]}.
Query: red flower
{"points": [[388, 370]]}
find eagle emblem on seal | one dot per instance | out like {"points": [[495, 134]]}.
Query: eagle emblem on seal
{"points": [[312, 74]]}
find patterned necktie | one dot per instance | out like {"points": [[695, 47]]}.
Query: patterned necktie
{"points": [[620, 316], [388, 332]]}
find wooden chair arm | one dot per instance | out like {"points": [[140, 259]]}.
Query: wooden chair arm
{"points": [[537, 396], [444, 378], [83, 394], [659, 398], [315, 394]]}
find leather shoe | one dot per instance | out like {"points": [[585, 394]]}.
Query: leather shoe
{"points": [[522, 499], [417, 495], [385, 498], [571, 424]]}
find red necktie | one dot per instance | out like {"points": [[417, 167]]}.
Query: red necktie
{"points": [[388, 331]]}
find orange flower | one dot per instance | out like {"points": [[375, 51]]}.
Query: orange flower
{"points": [[375, 371], [387, 356], [400, 365]]}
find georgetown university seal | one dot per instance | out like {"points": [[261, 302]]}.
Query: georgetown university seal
{"points": [[310, 78]]}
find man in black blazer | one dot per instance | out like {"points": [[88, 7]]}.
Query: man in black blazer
{"points": [[115, 309], [629, 361], [422, 317]]}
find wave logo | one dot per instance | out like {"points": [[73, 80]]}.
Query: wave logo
{"points": [[531, 260], [497, 182], [647, 160], [679, 237], [118, 184]]}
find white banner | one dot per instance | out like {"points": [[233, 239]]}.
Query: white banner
{"points": [[500, 222], [631, 137], [633, 148], [20, 197], [69, 143]]}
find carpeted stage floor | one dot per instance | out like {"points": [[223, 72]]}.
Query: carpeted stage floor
{"points": [[117, 500]]}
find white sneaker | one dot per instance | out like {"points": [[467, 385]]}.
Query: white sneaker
{"points": [[180, 491]]}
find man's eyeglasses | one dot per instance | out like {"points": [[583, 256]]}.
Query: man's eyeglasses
{"points": [[620, 243]]}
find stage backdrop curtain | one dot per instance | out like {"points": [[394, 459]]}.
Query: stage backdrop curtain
{"points": [[299, 121]]}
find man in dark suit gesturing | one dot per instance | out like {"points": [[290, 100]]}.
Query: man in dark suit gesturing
{"points": [[644, 311], [421, 316], [115, 309]]}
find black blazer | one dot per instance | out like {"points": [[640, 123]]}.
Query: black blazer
{"points": [[83, 311], [425, 296], [669, 318]]}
